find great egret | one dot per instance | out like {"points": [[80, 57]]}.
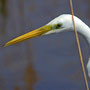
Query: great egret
{"points": [[59, 24]]}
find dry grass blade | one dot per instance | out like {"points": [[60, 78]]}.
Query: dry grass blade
{"points": [[79, 49]]}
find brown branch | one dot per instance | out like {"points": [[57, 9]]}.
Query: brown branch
{"points": [[79, 49]]}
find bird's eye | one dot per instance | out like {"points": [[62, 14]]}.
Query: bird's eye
{"points": [[58, 26]]}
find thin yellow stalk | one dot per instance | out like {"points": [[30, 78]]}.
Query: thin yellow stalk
{"points": [[79, 49]]}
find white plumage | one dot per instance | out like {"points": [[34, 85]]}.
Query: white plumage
{"points": [[67, 25]]}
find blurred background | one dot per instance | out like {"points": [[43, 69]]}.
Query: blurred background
{"points": [[43, 63]]}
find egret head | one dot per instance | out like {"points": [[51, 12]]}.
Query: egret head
{"points": [[59, 24]]}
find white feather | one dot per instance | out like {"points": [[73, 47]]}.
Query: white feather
{"points": [[67, 25]]}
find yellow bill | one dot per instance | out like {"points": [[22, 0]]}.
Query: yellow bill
{"points": [[29, 35]]}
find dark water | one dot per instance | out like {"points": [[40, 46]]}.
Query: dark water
{"points": [[44, 63]]}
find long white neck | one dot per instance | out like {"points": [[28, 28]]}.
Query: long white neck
{"points": [[84, 30]]}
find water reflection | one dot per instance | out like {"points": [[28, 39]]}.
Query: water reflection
{"points": [[30, 77]]}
